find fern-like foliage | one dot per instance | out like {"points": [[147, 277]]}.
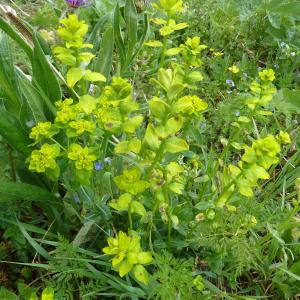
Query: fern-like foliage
{"points": [[174, 277]]}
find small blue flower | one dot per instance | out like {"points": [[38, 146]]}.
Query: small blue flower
{"points": [[202, 125], [230, 82], [229, 92], [237, 113], [76, 198], [98, 166], [276, 66]]}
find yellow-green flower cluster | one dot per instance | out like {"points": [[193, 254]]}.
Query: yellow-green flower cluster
{"points": [[130, 181], [41, 130], [190, 51], [72, 31], [262, 92], [80, 126], [44, 159], [82, 157], [189, 105], [128, 256], [253, 166], [169, 113], [116, 107], [66, 112], [171, 7]]}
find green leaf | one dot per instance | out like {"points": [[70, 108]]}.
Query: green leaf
{"points": [[48, 294], [10, 31], [287, 9], [153, 43], [7, 295], [15, 191], [93, 76], [137, 207], [8, 77], [118, 36], [105, 58], [195, 76], [43, 73], [175, 145], [87, 103], [82, 234], [287, 101], [173, 51], [151, 137], [73, 76], [125, 267], [34, 104], [131, 19], [12, 132], [141, 274], [38, 248]]}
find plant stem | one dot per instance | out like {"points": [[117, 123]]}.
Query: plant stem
{"points": [[130, 217], [157, 157], [163, 54], [12, 164]]}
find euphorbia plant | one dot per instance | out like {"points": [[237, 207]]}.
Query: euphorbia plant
{"points": [[150, 178]]}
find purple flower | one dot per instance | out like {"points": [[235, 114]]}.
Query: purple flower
{"points": [[230, 82], [78, 3], [98, 166]]}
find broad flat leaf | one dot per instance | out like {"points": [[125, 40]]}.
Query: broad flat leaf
{"points": [[105, 59], [73, 76], [38, 248], [287, 101], [175, 145], [8, 77], [118, 36], [87, 103], [12, 132], [14, 191], [11, 32], [81, 235], [44, 74], [131, 19], [94, 76]]}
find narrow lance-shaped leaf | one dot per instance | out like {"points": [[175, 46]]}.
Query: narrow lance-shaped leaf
{"points": [[105, 59], [118, 36], [43, 73], [13, 133], [131, 19]]}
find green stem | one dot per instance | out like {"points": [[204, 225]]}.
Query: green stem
{"points": [[150, 225], [130, 217], [168, 200], [157, 157], [56, 142], [164, 47], [228, 187], [163, 54], [12, 164], [169, 232]]}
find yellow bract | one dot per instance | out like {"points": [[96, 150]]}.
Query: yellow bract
{"points": [[128, 255]]}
